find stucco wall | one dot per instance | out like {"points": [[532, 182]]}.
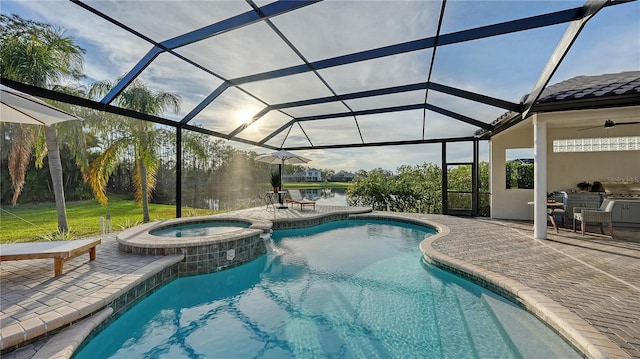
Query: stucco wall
{"points": [[564, 170]]}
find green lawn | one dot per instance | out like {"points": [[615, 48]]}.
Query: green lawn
{"points": [[34, 222], [37, 222]]}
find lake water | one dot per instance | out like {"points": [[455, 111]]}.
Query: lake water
{"points": [[326, 196]]}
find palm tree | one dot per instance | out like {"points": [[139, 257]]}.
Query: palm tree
{"points": [[40, 55], [136, 134]]}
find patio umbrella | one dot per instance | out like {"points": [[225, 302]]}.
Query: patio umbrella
{"points": [[282, 157], [16, 106]]}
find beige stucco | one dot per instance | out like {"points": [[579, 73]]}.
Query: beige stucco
{"points": [[564, 170]]}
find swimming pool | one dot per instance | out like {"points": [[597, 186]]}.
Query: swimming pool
{"points": [[344, 289]]}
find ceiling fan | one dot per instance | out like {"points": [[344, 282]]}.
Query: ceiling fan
{"points": [[610, 124]]}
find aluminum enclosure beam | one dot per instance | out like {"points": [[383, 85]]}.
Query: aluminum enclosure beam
{"points": [[380, 144], [422, 44], [83, 102], [591, 7], [487, 100], [238, 21]]}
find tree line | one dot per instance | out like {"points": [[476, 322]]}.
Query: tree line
{"points": [[105, 153], [418, 189]]}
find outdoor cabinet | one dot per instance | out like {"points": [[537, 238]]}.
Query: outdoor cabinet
{"points": [[626, 212]]}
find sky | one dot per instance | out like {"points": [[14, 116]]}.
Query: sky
{"points": [[505, 67]]}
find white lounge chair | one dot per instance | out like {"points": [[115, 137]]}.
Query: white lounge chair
{"points": [[296, 198]]}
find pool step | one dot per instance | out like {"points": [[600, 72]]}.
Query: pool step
{"points": [[483, 326], [525, 331], [456, 339]]}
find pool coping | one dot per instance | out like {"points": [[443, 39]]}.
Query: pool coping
{"points": [[67, 317], [575, 330], [140, 236]]}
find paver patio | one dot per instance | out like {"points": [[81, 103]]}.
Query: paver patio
{"points": [[594, 277]]}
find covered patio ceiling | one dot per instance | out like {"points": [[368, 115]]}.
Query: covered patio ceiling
{"points": [[327, 74]]}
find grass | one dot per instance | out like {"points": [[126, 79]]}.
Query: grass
{"points": [[37, 222]]}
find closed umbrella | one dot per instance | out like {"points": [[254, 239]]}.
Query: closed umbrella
{"points": [[282, 157], [19, 107]]}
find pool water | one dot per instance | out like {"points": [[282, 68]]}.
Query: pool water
{"points": [[345, 289], [198, 229]]}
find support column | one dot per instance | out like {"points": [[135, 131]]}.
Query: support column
{"points": [[445, 183], [178, 172], [539, 178]]}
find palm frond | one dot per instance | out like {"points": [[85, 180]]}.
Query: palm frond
{"points": [[19, 158], [101, 169]]}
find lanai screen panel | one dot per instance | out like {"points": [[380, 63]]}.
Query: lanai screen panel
{"points": [[323, 132], [316, 110], [394, 126], [245, 51], [379, 73], [495, 67], [439, 126], [390, 100], [472, 109], [230, 110], [463, 15], [289, 88], [166, 19], [169, 74], [335, 28], [267, 124]]}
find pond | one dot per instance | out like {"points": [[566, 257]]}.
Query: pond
{"points": [[326, 196]]}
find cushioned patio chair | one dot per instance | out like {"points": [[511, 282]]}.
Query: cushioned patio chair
{"points": [[559, 212], [296, 198], [594, 215]]}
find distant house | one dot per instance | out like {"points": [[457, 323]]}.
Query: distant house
{"points": [[313, 175], [310, 175], [342, 176]]}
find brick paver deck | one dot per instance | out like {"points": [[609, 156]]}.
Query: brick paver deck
{"points": [[593, 277]]}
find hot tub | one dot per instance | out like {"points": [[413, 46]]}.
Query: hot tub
{"points": [[207, 244], [198, 229]]}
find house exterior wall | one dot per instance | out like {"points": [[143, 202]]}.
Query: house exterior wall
{"points": [[564, 170], [313, 175]]}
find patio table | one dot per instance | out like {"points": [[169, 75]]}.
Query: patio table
{"points": [[270, 198]]}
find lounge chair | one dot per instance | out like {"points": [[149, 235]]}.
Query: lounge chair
{"points": [[594, 215], [60, 251], [296, 198]]}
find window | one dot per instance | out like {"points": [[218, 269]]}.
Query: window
{"points": [[631, 143], [519, 168]]}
